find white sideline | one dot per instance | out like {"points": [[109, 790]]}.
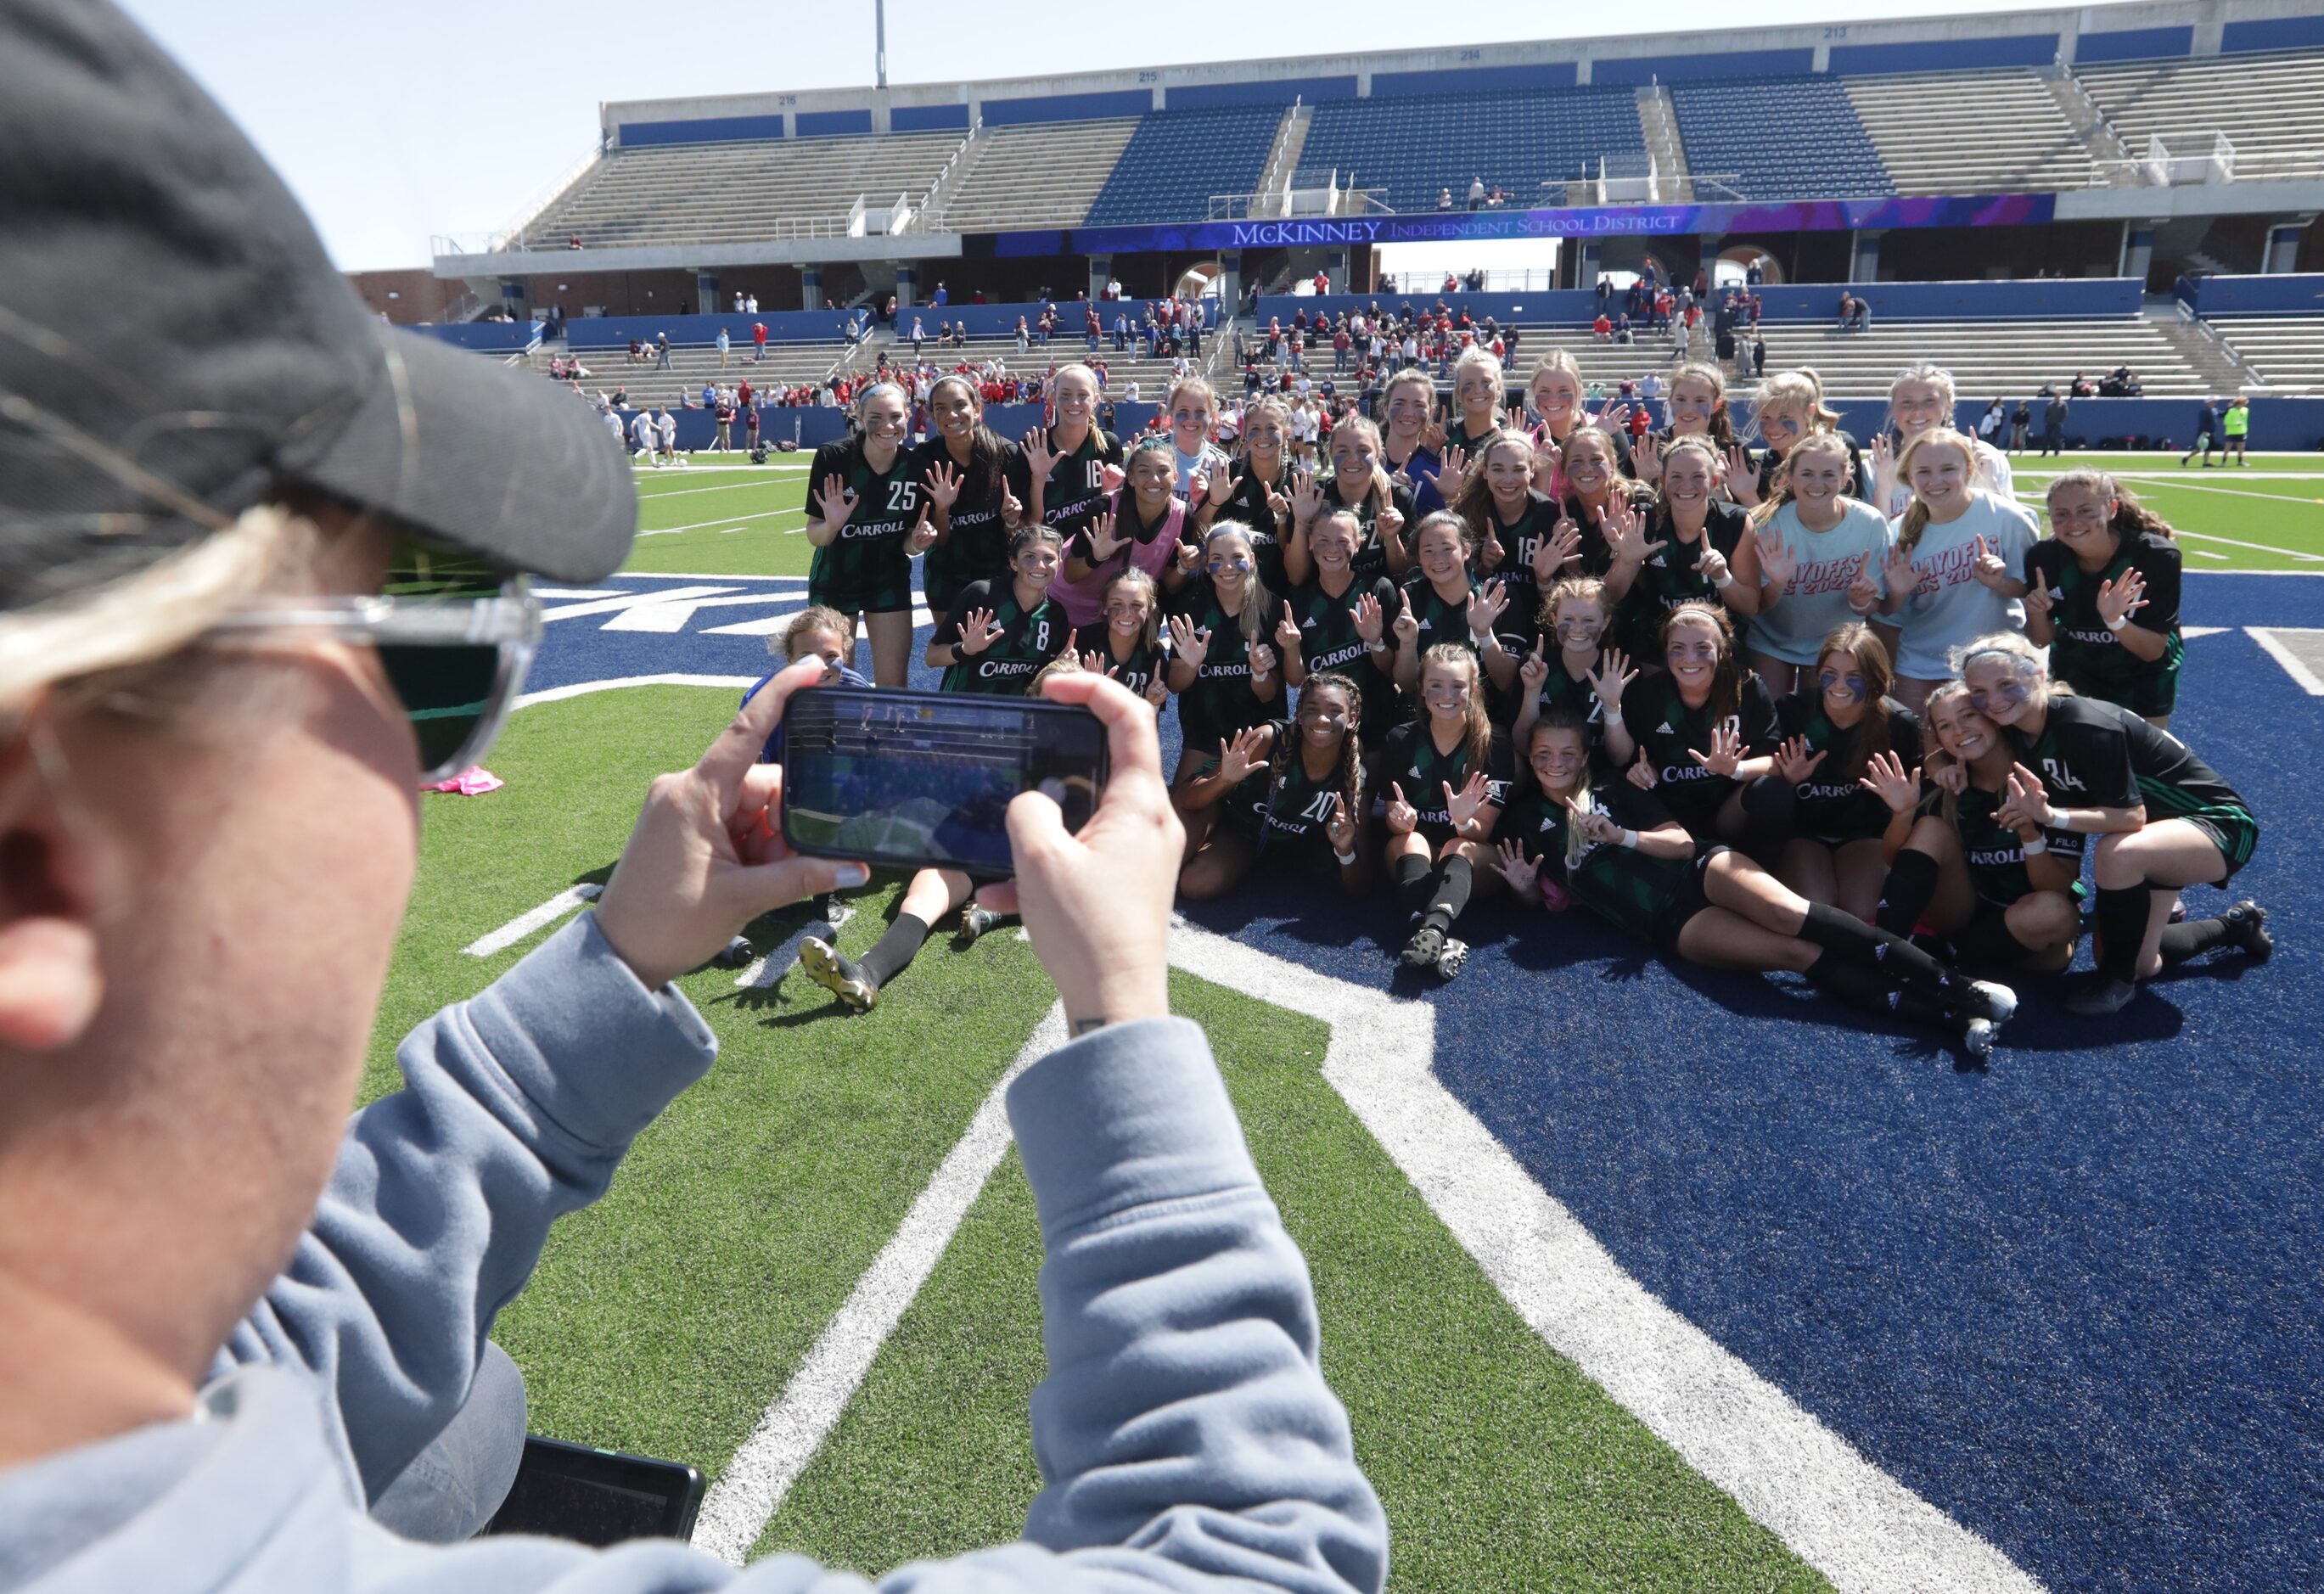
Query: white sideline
{"points": [[737, 1508], [1836, 1510], [2302, 676], [583, 688], [525, 924]]}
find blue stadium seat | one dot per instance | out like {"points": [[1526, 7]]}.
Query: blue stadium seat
{"points": [[1414, 148], [1784, 138], [1176, 159]]}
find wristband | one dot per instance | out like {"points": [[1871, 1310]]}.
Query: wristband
{"points": [[2119, 623], [1480, 640], [1380, 647], [2036, 847], [1867, 609], [1347, 860], [1724, 582]]}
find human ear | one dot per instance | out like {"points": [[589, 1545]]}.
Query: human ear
{"points": [[52, 867]]}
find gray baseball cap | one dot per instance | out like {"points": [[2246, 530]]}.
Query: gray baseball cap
{"points": [[176, 346]]}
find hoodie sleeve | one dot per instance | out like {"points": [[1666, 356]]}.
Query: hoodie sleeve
{"points": [[516, 1107]]}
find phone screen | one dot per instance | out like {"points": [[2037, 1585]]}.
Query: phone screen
{"points": [[593, 1497], [920, 780]]}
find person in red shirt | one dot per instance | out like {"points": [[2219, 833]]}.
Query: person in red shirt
{"points": [[1638, 421], [759, 337], [743, 392], [1602, 329]]}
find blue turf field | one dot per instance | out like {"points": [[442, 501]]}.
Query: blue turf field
{"points": [[2075, 1300]]}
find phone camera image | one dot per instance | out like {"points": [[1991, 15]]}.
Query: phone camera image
{"points": [[916, 779]]}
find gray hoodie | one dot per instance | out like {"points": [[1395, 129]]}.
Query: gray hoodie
{"points": [[1184, 1433]]}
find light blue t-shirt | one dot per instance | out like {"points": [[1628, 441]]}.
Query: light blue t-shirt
{"points": [[1816, 601], [1950, 606]]}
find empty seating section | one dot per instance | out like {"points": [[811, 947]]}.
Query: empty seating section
{"points": [[2287, 351], [738, 192], [1416, 148], [2270, 107], [1998, 131], [787, 365], [1783, 138], [1039, 176], [1176, 159]]}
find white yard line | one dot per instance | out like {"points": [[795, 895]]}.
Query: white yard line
{"points": [[524, 924], [584, 688], [727, 520], [735, 1512], [2302, 676]]}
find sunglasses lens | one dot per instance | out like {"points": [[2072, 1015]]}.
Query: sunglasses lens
{"points": [[449, 695]]}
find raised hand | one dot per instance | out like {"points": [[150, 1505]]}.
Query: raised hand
{"points": [[1462, 806], [1247, 752], [2125, 594], [1534, 670], [1432, 436], [1097, 664], [1402, 818], [1779, 561], [1287, 633], [1617, 419], [1883, 464], [1646, 462], [1012, 512], [1990, 569], [1864, 586], [923, 536], [1452, 473], [1103, 542], [1038, 456], [1546, 457], [1625, 532], [1951, 776], [1591, 823], [1711, 565], [1306, 498], [1218, 487], [835, 501], [1886, 778], [2039, 597], [976, 631], [1112, 478], [1611, 678], [1742, 477], [1389, 523], [1523, 873], [1189, 644], [1406, 624], [1561, 547], [2025, 802], [944, 485], [1514, 422], [1726, 752], [1188, 554], [1367, 618], [1795, 762], [1641, 772], [1486, 605], [1262, 661], [1158, 691], [1342, 828], [1899, 572]]}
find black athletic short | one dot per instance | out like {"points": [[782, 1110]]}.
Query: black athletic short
{"points": [[2233, 831], [1692, 900]]}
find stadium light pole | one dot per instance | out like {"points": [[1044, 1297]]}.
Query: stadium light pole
{"points": [[880, 27]]}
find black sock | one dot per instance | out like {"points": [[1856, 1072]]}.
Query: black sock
{"points": [[2121, 926], [1987, 940], [826, 906], [1859, 943], [1411, 874], [1875, 992], [2192, 938], [1454, 879], [894, 950], [1911, 886]]}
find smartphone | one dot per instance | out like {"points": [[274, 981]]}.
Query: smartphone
{"points": [[923, 780], [597, 1496]]}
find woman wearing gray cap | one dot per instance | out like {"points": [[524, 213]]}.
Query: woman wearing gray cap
{"points": [[230, 648]]}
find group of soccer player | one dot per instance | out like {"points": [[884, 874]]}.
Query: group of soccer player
{"points": [[1773, 701]]}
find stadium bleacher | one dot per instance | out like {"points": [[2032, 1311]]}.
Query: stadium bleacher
{"points": [[1176, 159], [1999, 131], [1047, 174], [2271, 107], [2287, 351], [1782, 138], [1415, 148]]}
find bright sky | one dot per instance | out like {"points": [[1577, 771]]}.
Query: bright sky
{"points": [[396, 122]]}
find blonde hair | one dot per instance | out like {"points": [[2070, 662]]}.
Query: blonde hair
{"points": [[1478, 354], [1916, 513], [1572, 589], [1567, 719], [1561, 361], [1380, 488], [2027, 662], [1258, 603], [1813, 443], [1190, 383], [1799, 391], [820, 617]]}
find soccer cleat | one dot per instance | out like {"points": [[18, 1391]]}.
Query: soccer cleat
{"points": [[1977, 1037], [1983, 999], [2247, 923], [2102, 995], [838, 975], [738, 953], [1449, 961], [975, 921], [1427, 945]]}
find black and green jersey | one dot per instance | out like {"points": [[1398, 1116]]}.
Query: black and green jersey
{"points": [[1597, 558], [1561, 690], [1220, 702], [2099, 755], [1441, 619], [1412, 760], [1075, 492], [977, 547], [1659, 721], [1293, 809], [1028, 639], [864, 570], [1371, 553], [2084, 652], [1832, 807], [1669, 578], [1328, 640], [1993, 852], [1249, 504], [1137, 671], [1520, 541], [1457, 435], [1621, 885]]}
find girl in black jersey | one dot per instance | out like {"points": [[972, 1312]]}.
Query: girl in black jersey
{"points": [[867, 523], [998, 634], [1448, 774], [1785, 408], [1255, 495], [1480, 391], [1518, 532], [1289, 790], [1595, 489], [1071, 467], [1556, 394], [1339, 622], [1570, 835], [965, 470], [1584, 675], [1698, 409], [1444, 603], [933, 896], [1831, 836], [1357, 481], [2162, 817], [1411, 442], [2105, 596], [1222, 667], [1690, 540], [1125, 641], [1962, 871], [1700, 731]]}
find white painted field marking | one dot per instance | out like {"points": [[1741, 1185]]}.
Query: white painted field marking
{"points": [[524, 924], [630, 600], [2268, 637], [2264, 547], [705, 575], [736, 1511], [671, 615], [716, 487], [765, 626], [1839, 1512], [584, 688], [576, 591], [2188, 633], [2205, 553], [728, 521]]}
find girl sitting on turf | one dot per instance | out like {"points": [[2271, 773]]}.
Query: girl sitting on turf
{"points": [[1448, 776], [1221, 668], [2105, 596], [1445, 603], [1290, 791], [1572, 835], [1956, 567], [1698, 730]]}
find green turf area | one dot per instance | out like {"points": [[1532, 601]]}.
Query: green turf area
{"points": [[721, 516], [1500, 1466]]}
